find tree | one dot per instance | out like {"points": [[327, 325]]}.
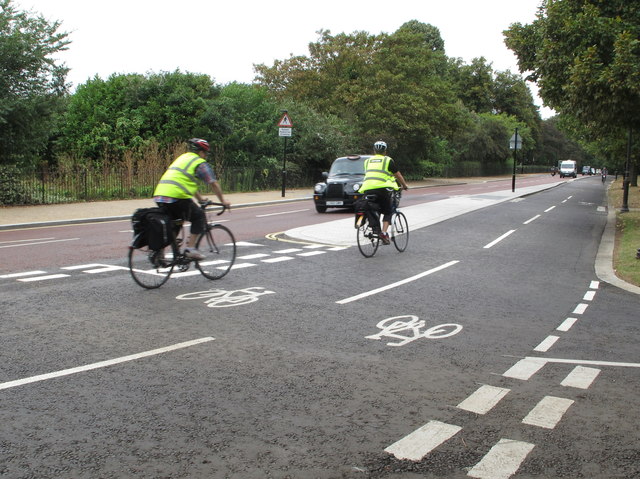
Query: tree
{"points": [[585, 57], [105, 118], [32, 83]]}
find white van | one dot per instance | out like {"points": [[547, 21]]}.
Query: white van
{"points": [[568, 168]]}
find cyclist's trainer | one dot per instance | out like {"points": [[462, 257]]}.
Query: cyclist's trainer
{"points": [[381, 179], [178, 186]]}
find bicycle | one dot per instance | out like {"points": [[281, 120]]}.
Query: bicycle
{"points": [[151, 268], [368, 226]]}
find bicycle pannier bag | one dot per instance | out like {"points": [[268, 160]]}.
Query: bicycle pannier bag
{"points": [[151, 226]]}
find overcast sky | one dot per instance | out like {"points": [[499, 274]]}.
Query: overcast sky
{"points": [[225, 39]]}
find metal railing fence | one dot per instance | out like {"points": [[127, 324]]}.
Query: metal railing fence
{"points": [[52, 185]]}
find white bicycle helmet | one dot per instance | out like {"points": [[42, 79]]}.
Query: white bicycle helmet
{"points": [[380, 146]]}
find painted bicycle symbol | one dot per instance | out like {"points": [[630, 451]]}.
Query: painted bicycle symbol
{"points": [[220, 298], [411, 326]]}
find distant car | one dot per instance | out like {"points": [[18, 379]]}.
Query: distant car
{"points": [[587, 170], [342, 183]]}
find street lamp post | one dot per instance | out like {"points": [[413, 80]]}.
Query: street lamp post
{"points": [[627, 180], [514, 144]]}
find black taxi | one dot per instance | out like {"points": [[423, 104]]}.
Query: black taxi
{"points": [[342, 183]]}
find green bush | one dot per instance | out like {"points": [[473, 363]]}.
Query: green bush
{"points": [[11, 191]]}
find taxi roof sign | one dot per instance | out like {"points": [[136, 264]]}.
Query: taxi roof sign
{"points": [[285, 121]]}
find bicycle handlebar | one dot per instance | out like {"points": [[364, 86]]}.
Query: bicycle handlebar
{"points": [[213, 203]]}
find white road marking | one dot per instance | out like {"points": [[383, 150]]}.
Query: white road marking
{"points": [[484, 399], [311, 253], [39, 242], [243, 265], [566, 324], [530, 220], [423, 440], [580, 309], [546, 344], [281, 213], [580, 377], [589, 295], [396, 284], [23, 240], [502, 461], [497, 240], [81, 266], [594, 285], [288, 251], [278, 259], [589, 362], [549, 209], [525, 368], [254, 256], [43, 278], [548, 412], [19, 275], [102, 364]]}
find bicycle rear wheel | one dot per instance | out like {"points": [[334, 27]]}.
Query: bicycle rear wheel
{"points": [[149, 268], [219, 247], [400, 231], [368, 241]]}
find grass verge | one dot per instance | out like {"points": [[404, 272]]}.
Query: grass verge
{"points": [[625, 264]]}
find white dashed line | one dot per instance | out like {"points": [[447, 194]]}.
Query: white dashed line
{"points": [[546, 344], [502, 461], [43, 278], [548, 412], [580, 377], [580, 309], [19, 275], [311, 253], [484, 399], [278, 259], [497, 240], [525, 368], [589, 295], [422, 441], [566, 324]]}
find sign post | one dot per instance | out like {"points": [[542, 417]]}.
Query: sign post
{"points": [[514, 143], [285, 130]]}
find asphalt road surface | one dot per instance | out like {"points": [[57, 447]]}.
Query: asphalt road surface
{"points": [[488, 349]]}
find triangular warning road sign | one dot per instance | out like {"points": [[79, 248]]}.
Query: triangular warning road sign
{"points": [[285, 121]]}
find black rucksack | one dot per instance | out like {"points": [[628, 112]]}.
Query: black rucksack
{"points": [[151, 226]]}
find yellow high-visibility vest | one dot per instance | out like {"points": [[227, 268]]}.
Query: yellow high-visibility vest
{"points": [[179, 181], [377, 174]]}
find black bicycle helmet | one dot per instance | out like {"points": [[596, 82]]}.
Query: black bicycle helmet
{"points": [[380, 146], [198, 144]]}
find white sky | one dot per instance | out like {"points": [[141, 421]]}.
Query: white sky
{"points": [[225, 39]]}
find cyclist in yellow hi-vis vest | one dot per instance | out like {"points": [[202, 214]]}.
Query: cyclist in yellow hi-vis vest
{"points": [[381, 179], [178, 186]]}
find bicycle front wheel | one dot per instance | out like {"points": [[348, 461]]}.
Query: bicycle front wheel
{"points": [[150, 269], [368, 241], [400, 231], [219, 247]]}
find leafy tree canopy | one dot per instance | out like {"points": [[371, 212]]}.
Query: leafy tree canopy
{"points": [[585, 57], [32, 83]]}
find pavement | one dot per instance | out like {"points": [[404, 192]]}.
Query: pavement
{"points": [[338, 232]]}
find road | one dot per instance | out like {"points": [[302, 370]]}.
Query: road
{"points": [[488, 349]]}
